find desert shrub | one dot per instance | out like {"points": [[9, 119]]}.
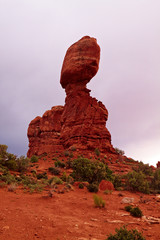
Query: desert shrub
{"points": [[32, 184], [18, 179], [36, 187], [3, 154], [2, 184], [59, 164], [124, 234], [81, 186], [98, 201], [136, 181], [42, 175], [71, 155], [66, 153], [28, 181], [97, 152], [3, 150], [11, 165], [117, 181], [93, 187], [54, 171], [55, 180], [11, 161], [108, 192], [128, 208], [34, 159], [34, 173], [69, 163], [12, 187], [86, 170], [155, 183], [64, 177], [22, 164], [7, 178], [136, 212], [119, 151], [144, 168]]}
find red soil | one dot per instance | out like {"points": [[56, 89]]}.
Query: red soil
{"points": [[71, 215]]}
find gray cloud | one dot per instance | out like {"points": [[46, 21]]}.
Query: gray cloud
{"points": [[34, 38]]}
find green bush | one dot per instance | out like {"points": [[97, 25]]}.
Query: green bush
{"points": [[124, 234], [144, 168], [128, 208], [7, 178], [54, 171], [97, 152], [155, 183], [81, 186], [36, 187], [55, 180], [136, 212], [66, 153], [93, 187], [117, 181], [98, 201], [86, 170], [64, 177], [69, 163], [27, 180], [136, 181], [59, 164], [42, 175], [12, 187], [34, 159], [107, 192], [22, 164], [2, 184], [11, 161], [119, 151], [11, 165], [3, 154]]}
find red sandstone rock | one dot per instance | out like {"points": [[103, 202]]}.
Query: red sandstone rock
{"points": [[44, 132], [84, 118], [82, 121], [106, 185], [81, 62]]}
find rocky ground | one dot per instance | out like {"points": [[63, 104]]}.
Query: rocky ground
{"points": [[72, 215]]}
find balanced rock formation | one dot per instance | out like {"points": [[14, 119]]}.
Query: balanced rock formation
{"points": [[82, 121], [81, 62]]}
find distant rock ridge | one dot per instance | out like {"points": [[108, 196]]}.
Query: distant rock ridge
{"points": [[82, 121]]}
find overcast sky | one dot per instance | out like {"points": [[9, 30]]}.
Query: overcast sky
{"points": [[34, 37]]}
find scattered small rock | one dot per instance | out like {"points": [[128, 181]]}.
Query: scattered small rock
{"points": [[94, 219], [127, 200], [6, 227], [158, 198], [115, 221], [151, 220]]}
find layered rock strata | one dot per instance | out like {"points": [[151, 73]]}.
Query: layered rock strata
{"points": [[44, 133], [82, 121]]}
